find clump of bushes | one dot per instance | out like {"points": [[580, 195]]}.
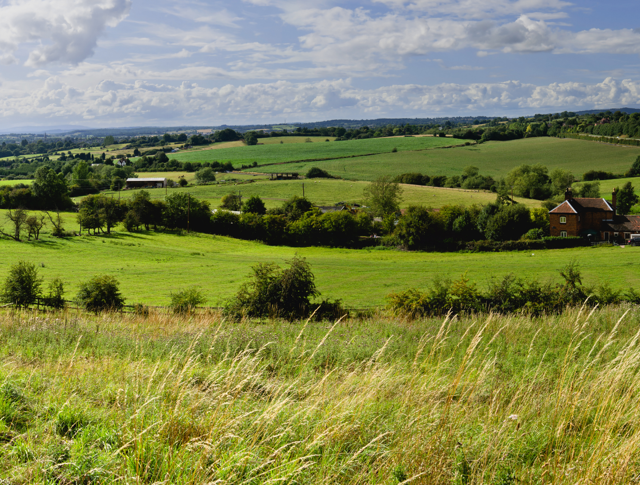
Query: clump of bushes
{"points": [[275, 292], [100, 293], [315, 172], [506, 295], [185, 301]]}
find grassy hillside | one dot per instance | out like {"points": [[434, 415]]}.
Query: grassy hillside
{"points": [[294, 150], [607, 186], [322, 192], [150, 266], [492, 400], [493, 158]]}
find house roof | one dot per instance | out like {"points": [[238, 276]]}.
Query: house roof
{"points": [[564, 208], [623, 224], [147, 180], [575, 206]]}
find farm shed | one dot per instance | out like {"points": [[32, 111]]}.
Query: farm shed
{"points": [[146, 183]]}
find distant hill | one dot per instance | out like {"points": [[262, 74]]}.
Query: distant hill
{"points": [[17, 130], [613, 110]]}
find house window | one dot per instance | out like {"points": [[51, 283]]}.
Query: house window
{"points": [[627, 235], [615, 235], [563, 220], [563, 233], [606, 236]]}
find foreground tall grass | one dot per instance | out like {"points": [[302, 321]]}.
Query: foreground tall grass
{"points": [[481, 399]]}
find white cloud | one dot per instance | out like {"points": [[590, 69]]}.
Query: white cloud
{"points": [[143, 102], [58, 30]]}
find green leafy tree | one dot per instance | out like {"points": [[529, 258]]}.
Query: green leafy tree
{"points": [[295, 207], [231, 202], [22, 285], [383, 196], [182, 211], [419, 227], [55, 296], [186, 301], [254, 205], [531, 181], [100, 293], [205, 176], [50, 189], [250, 138], [561, 179], [315, 172], [108, 140], [588, 190], [627, 198], [634, 171], [276, 292]]}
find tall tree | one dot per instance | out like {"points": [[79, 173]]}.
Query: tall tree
{"points": [[627, 198], [383, 196]]}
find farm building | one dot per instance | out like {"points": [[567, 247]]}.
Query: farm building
{"points": [[146, 183], [593, 218]]}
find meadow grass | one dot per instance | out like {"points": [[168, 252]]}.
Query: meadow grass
{"points": [[319, 191], [292, 150], [479, 399], [492, 158], [151, 265]]}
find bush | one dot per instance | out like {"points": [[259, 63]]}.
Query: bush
{"points": [[315, 172], [101, 293], [534, 234], [254, 205], [276, 293], [205, 176], [55, 297], [185, 301], [231, 202], [22, 286]]}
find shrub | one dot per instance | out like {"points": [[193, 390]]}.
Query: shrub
{"points": [[55, 297], [315, 172], [101, 293], [22, 286], [231, 202], [275, 292], [254, 205], [205, 176], [185, 301], [534, 234]]}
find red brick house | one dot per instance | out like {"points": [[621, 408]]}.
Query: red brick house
{"points": [[594, 218]]}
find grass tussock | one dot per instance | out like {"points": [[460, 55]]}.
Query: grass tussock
{"points": [[160, 398]]}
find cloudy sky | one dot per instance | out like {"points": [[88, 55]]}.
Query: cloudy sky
{"points": [[142, 62]]}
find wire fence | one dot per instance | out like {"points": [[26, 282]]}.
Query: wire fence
{"points": [[138, 308]]}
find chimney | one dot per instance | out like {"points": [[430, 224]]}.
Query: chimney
{"points": [[568, 194], [614, 200]]}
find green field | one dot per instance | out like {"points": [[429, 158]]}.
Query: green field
{"points": [[14, 182], [607, 186], [493, 158], [294, 150], [151, 266], [320, 192]]}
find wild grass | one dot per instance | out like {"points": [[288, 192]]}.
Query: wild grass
{"points": [[463, 400], [493, 158]]}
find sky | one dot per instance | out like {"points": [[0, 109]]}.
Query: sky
{"points": [[100, 63]]}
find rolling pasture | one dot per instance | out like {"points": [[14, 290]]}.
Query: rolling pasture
{"points": [[493, 158], [275, 152], [152, 265], [320, 192]]}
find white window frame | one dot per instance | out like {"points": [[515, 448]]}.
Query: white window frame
{"points": [[563, 219], [563, 233]]}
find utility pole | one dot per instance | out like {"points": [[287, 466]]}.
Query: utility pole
{"points": [[188, 212], [302, 189]]}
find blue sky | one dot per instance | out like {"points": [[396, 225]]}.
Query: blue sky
{"points": [[139, 62]]}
